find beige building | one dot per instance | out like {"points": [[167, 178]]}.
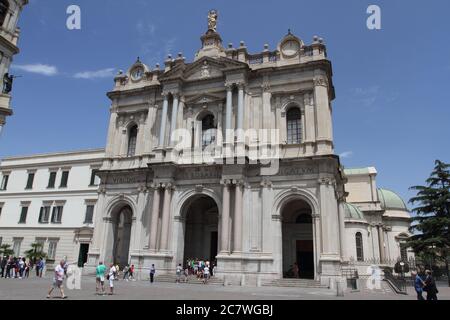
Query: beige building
{"points": [[9, 35]]}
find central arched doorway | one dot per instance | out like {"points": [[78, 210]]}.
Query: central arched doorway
{"points": [[298, 244], [201, 229], [122, 234]]}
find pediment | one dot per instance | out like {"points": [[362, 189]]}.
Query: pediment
{"points": [[203, 99]]}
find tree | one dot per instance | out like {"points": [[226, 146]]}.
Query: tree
{"points": [[432, 221], [5, 250], [35, 252]]}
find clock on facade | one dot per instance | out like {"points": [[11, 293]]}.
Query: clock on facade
{"points": [[137, 73], [290, 48]]}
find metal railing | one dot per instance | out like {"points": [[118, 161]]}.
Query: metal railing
{"points": [[397, 282]]}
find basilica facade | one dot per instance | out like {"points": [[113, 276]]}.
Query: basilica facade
{"points": [[230, 158]]}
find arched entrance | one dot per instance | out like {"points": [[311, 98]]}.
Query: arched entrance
{"points": [[121, 222], [298, 244], [201, 229]]}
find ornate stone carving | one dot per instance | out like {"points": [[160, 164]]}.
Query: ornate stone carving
{"points": [[321, 81], [206, 70], [212, 20]]}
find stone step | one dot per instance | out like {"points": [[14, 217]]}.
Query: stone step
{"points": [[295, 283], [191, 279]]}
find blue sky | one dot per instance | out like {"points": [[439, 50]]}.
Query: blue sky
{"points": [[392, 85]]}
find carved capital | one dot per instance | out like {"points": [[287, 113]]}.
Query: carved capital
{"points": [[320, 82], [266, 183]]}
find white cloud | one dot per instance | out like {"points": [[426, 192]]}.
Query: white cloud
{"points": [[104, 73], [366, 96], [346, 154], [38, 68]]}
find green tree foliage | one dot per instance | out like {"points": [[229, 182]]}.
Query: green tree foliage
{"points": [[431, 224]]}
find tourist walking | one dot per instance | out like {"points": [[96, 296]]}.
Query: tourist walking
{"points": [[100, 278], [430, 286], [126, 272], [131, 273], [152, 273], [58, 280], [418, 285]]}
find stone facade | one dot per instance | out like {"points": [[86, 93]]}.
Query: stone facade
{"points": [[9, 35], [161, 162]]}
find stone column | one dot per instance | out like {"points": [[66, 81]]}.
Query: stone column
{"points": [[381, 243], [111, 133], [173, 122], [136, 241], [166, 217], [229, 108], [240, 115], [140, 135], [237, 236], [342, 231], [324, 129], [329, 215], [225, 222], [266, 97], [310, 123], [162, 128], [154, 217]]}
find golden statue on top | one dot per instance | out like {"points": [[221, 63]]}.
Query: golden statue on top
{"points": [[212, 20]]}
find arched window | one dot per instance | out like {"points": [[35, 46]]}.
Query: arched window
{"points": [[359, 247], [132, 137], [208, 130], [294, 127], [4, 6]]}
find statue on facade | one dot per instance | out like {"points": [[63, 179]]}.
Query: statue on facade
{"points": [[7, 83], [212, 20]]}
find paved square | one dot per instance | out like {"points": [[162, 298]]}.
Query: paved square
{"points": [[36, 288]]}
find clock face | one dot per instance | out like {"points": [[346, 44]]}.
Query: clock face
{"points": [[290, 48], [137, 73]]}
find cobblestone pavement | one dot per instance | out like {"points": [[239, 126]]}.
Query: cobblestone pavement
{"points": [[36, 288]]}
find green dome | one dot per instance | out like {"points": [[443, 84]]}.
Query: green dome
{"points": [[390, 200], [353, 212]]}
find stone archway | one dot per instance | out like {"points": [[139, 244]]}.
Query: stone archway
{"points": [[121, 226], [297, 240], [201, 226]]}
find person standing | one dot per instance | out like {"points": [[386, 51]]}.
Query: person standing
{"points": [[111, 277], [205, 274], [58, 280], [152, 273], [100, 278], [418, 285], [178, 273], [430, 286], [3, 266]]}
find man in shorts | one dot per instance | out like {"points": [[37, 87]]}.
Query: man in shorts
{"points": [[100, 278], [58, 280]]}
